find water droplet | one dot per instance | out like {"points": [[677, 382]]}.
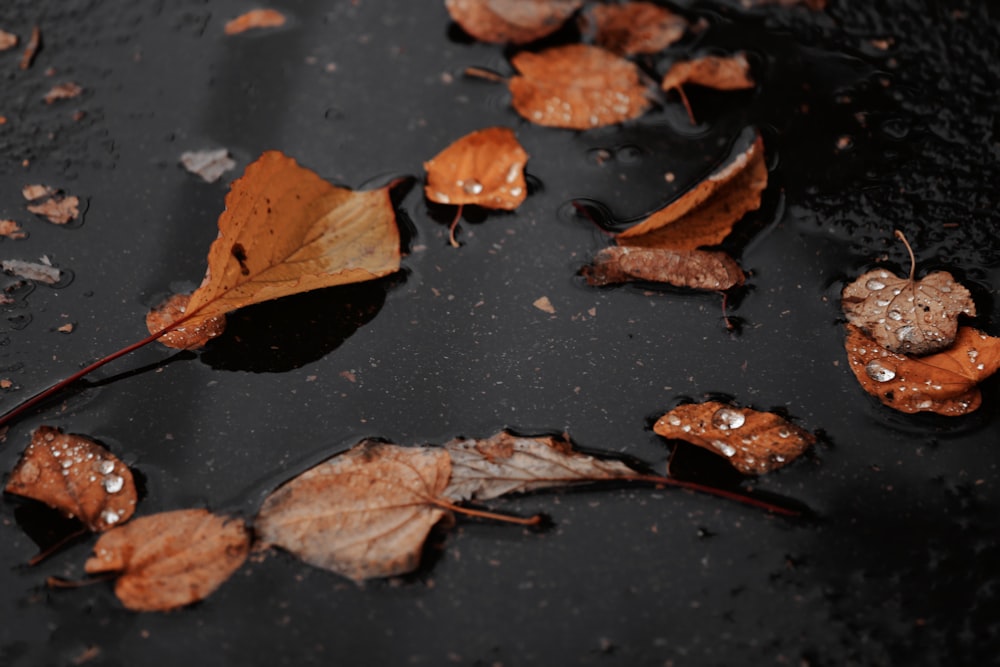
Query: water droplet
{"points": [[106, 467], [726, 449], [110, 517], [67, 463], [783, 432], [874, 285], [472, 186], [673, 420], [114, 483], [882, 303], [725, 419], [895, 315], [879, 372]]}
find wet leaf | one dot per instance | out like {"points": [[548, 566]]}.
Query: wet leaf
{"points": [[697, 269], [58, 210], [362, 514], [506, 463], [285, 230], [7, 40], [753, 442], [633, 27], [254, 19], [11, 230], [42, 273], [76, 476], [171, 559], [191, 335], [945, 382], [210, 164], [36, 191], [511, 21], [63, 91], [718, 72], [577, 87], [485, 168]]}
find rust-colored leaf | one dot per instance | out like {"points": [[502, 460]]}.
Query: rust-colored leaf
{"points": [[364, 513], [63, 91], [697, 269], [171, 559], [8, 40], [76, 476], [285, 230], [31, 48], [511, 21], [192, 335], [485, 168], [577, 87], [58, 209], [945, 382], [753, 442], [11, 230], [719, 72], [633, 27], [255, 19], [506, 463]]}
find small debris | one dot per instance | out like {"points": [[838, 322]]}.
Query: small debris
{"points": [[58, 210], [6, 384], [67, 328], [31, 271], [31, 50], [543, 304], [35, 192], [63, 91], [257, 18], [210, 164], [11, 230], [7, 40]]}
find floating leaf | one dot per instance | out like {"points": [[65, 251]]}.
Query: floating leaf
{"points": [[511, 21], [697, 269], [255, 19], [577, 87], [36, 191], [63, 91], [945, 382], [210, 164], [76, 476], [718, 72], [753, 442], [633, 27], [58, 208], [485, 167], [193, 335], [7, 40], [42, 273], [171, 559], [11, 230]]}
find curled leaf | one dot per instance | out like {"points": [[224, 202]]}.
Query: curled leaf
{"points": [[255, 19], [697, 269], [511, 21], [485, 167], [63, 91], [945, 382], [753, 442], [171, 559], [719, 72], [633, 27], [76, 476]]}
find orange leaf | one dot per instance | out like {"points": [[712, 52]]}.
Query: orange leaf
{"points": [[719, 72], [697, 269], [256, 18], [633, 27], [170, 559], [11, 230], [577, 87], [753, 442], [945, 382], [7, 40], [76, 476], [513, 21], [485, 168]]}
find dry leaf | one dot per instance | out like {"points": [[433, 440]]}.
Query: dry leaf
{"points": [[285, 230], [256, 18], [362, 514], [577, 87], [171, 559], [209, 164], [58, 210], [35, 192], [544, 304], [63, 91], [485, 168], [753, 442], [719, 72], [633, 27], [7, 40], [42, 273], [11, 230], [31, 49], [697, 269], [76, 476], [511, 21], [506, 463], [945, 382]]}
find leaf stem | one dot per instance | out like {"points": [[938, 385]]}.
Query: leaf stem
{"points": [[913, 262], [701, 488], [482, 514], [453, 227], [482, 73], [55, 548]]}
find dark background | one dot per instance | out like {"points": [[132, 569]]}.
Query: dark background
{"points": [[900, 563]]}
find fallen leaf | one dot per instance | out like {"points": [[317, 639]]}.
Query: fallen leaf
{"points": [[577, 87], [76, 476], [7, 40], [67, 328], [511, 21], [171, 559], [209, 164], [945, 382], [58, 209], [364, 513], [42, 273], [11, 230], [485, 168], [718, 72], [35, 192], [697, 269], [256, 18], [906, 315], [31, 49], [633, 27], [285, 230], [543, 304], [753, 442], [191, 335], [63, 91], [506, 463]]}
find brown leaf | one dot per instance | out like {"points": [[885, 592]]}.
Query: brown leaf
{"points": [[7, 40], [187, 336], [209, 164], [171, 559], [697, 269], [633, 27], [255, 18], [285, 230], [364, 513], [11, 230], [577, 87], [58, 210], [753, 442], [719, 72], [485, 168], [945, 382], [506, 463], [63, 91], [76, 476], [35, 192], [42, 273], [511, 21]]}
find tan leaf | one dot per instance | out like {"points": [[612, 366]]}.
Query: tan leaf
{"points": [[577, 87], [285, 230], [255, 18], [506, 463], [171, 559], [210, 164], [945, 382], [697, 269], [485, 168], [11, 230], [511, 21], [37, 191], [633, 27], [7, 40], [753, 442], [42, 273], [63, 91], [76, 476], [58, 210], [364, 513]]}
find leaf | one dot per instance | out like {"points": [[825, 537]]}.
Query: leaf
{"points": [[945, 382], [255, 19], [7, 40], [285, 230], [35, 192], [31, 48], [485, 167], [753, 442], [577, 87], [191, 335], [63, 91], [210, 164], [76, 476], [364, 513], [697, 269], [719, 72], [633, 27], [511, 21], [58, 209], [42, 273], [11, 230], [506, 463], [171, 559]]}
